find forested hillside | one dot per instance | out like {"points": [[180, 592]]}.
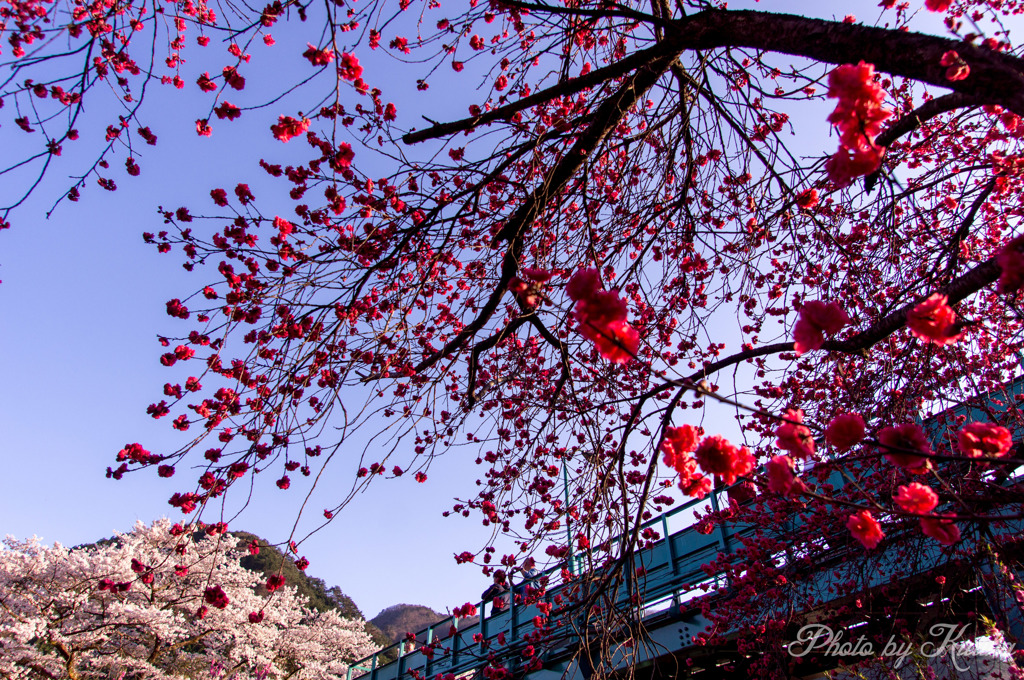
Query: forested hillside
{"points": [[269, 560]]}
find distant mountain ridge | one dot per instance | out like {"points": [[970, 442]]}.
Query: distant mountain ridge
{"points": [[399, 619]]}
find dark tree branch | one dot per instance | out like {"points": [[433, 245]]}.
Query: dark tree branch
{"points": [[922, 114], [995, 78], [982, 275], [601, 75], [965, 226], [915, 119], [605, 118], [480, 348]]}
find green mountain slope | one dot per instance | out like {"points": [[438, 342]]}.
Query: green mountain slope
{"points": [[270, 560]]}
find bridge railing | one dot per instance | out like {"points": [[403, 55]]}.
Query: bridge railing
{"points": [[671, 566], [672, 572]]}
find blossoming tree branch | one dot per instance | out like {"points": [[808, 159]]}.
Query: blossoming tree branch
{"points": [[628, 223]]}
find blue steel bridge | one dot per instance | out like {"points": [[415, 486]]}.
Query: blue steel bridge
{"points": [[675, 572], [674, 577]]}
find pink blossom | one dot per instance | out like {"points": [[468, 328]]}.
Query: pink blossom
{"points": [[845, 430], [678, 442], [583, 284], [1011, 261], [934, 321], [601, 316], [956, 67], [916, 498], [677, 445], [618, 342], [286, 128], [717, 456], [317, 56], [942, 529], [865, 528], [697, 486], [858, 116], [979, 440], [795, 437], [349, 68], [816, 320], [899, 444], [782, 477], [807, 199], [216, 597]]}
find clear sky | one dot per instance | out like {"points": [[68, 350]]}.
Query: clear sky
{"points": [[82, 303]]}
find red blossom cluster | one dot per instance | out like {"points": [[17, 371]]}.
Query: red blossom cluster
{"points": [[817, 319], [906, 446], [465, 611], [807, 199], [342, 158], [934, 321], [216, 597], [845, 431], [233, 78], [227, 110], [782, 478], [865, 528], [916, 498], [984, 440], [956, 67], [678, 444], [1011, 263], [349, 68], [108, 584], [530, 290], [941, 528], [794, 436], [288, 127], [720, 457], [858, 116], [601, 316], [317, 56]]}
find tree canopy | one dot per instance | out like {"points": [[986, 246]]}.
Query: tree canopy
{"points": [[646, 208]]}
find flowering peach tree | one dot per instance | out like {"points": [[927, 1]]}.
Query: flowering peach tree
{"points": [[630, 222], [152, 604]]}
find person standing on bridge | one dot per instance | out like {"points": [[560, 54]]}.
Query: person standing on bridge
{"points": [[496, 591], [527, 575]]}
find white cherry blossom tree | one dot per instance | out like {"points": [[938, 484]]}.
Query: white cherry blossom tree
{"points": [[159, 603]]}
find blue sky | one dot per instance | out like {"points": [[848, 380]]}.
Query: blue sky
{"points": [[82, 303], [83, 299]]}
